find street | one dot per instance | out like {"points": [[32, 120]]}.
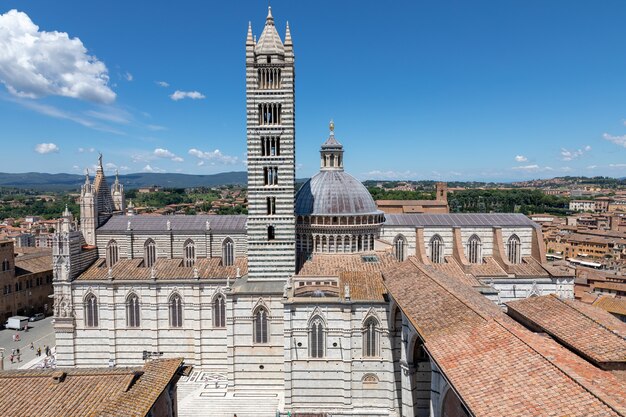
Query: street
{"points": [[40, 333]]}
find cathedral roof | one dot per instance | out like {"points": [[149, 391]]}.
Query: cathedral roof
{"points": [[269, 42], [334, 193], [459, 220], [480, 350], [195, 223]]}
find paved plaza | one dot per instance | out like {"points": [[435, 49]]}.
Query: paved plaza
{"points": [[40, 333]]}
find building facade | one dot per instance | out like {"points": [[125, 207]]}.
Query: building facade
{"points": [[289, 300]]}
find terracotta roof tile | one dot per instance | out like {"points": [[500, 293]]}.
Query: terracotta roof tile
{"points": [[498, 367], [574, 324], [615, 305], [133, 269], [69, 392]]}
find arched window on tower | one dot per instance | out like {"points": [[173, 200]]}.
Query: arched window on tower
{"points": [[271, 233], [228, 252], [436, 249], [316, 337], [133, 310], [176, 311], [219, 311], [190, 252], [112, 253], [260, 325], [91, 311], [514, 251], [149, 253], [399, 247], [474, 255], [370, 337]]}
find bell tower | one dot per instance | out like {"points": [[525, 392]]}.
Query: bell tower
{"points": [[270, 108]]}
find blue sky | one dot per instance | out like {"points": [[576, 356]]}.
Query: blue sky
{"points": [[454, 90]]}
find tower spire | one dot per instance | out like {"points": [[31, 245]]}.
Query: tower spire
{"points": [[288, 41], [249, 39]]}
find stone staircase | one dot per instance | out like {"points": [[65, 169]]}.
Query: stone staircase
{"points": [[205, 394]]}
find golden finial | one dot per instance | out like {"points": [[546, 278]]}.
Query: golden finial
{"points": [[332, 125]]}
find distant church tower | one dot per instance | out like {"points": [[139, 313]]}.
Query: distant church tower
{"points": [[270, 82], [96, 204]]}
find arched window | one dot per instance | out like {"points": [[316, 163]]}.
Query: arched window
{"points": [[228, 252], [260, 326], [473, 250], [436, 249], [176, 311], [149, 253], [271, 233], [370, 338], [91, 311], [316, 338], [190, 252], [219, 311], [132, 311], [399, 247], [514, 249], [112, 253]]}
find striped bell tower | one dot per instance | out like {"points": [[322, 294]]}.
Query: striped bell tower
{"points": [[270, 86]]}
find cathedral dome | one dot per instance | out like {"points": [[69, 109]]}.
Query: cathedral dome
{"points": [[334, 193]]}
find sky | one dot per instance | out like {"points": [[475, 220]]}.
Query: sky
{"points": [[442, 90]]}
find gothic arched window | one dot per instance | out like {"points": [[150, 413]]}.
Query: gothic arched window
{"points": [[228, 252], [132, 311], [112, 253], [370, 337], [149, 253], [91, 311], [399, 247], [219, 311], [474, 249], [176, 311], [271, 233], [190, 252], [260, 326], [514, 249], [436, 249], [316, 338]]}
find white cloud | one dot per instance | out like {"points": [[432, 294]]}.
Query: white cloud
{"points": [[532, 168], [156, 127], [214, 157], [179, 95], [592, 167], [149, 168], [617, 165], [521, 158], [162, 84], [37, 63], [618, 140], [44, 148], [389, 175], [83, 150], [128, 76], [111, 114], [568, 155], [164, 153]]}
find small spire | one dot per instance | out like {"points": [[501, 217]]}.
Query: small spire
{"points": [[117, 181], [270, 18], [288, 35], [100, 161], [87, 176], [331, 125], [249, 39]]}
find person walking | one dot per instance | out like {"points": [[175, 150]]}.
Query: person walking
{"points": [[32, 347], [38, 350]]}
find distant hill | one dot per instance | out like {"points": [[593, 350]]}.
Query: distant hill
{"points": [[68, 182]]}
